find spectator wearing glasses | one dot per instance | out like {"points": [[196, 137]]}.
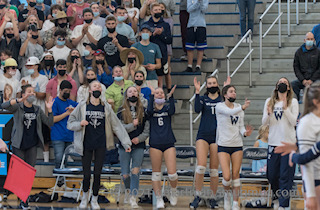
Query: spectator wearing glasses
{"points": [[60, 50], [47, 65], [101, 68], [4, 55], [7, 78], [114, 93]]}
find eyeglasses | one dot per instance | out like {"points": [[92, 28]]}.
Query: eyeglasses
{"points": [[61, 39], [12, 67], [122, 91]]}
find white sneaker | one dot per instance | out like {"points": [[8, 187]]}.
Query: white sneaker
{"points": [[133, 202], [173, 197], [84, 201], [227, 201], [281, 208], [126, 199], [94, 202], [248, 41], [160, 203], [184, 57], [276, 204], [62, 188], [235, 205], [244, 41]]}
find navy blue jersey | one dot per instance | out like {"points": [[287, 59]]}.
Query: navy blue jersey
{"points": [[310, 155], [160, 123], [208, 123]]}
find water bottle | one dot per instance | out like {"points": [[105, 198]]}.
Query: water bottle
{"points": [[301, 96]]}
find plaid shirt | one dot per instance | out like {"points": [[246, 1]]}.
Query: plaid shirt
{"points": [[49, 34]]}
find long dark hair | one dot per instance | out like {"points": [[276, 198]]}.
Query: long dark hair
{"points": [[311, 92], [225, 90], [209, 77]]}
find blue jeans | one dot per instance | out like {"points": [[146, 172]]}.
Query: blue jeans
{"points": [[135, 157], [59, 147], [244, 7]]}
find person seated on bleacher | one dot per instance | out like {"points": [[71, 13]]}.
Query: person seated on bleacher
{"points": [[7, 78], [262, 142], [306, 64], [4, 55], [133, 60]]}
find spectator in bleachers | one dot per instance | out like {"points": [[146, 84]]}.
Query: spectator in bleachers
{"points": [[94, 123], [184, 18], [133, 60], [170, 7], [196, 32], [262, 142], [9, 6], [133, 13], [87, 32], [246, 8], [48, 24], [60, 50], [47, 65], [61, 22], [43, 7], [76, 10], [4, 10], [306, 65], [114, 93], [140, 81], [4, 55], [122, 27], [145, 12], [53, 84], [113, 43], [75, 67], [83, 91], [135, 3], [10, 69], [30, 10], [88, 54], [133, 118], [101, 68], [10, 31], [107, 7], [152, 54], [99, 21]]}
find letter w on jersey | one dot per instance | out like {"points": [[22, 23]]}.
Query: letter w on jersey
{"points": [[278, 114], [234, 119]]}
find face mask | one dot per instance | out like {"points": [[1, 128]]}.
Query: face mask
{"points": [[62, 25], [96, 14], [61, 43], [159, 101], [35, 36], [309, 43], [111, 30], [12, 73], [74, 57], [130, 60], [86, 52], [145, 36], [30, 71], [232, 99], [133, 99], [96, 93], [2, 63], [126, 3], [100, 62], [31, 99], [39, 1], [54, 15], [282, 87], [157, 15], [138, 82], [32, 4], [162, 12], [121, 18], [91, 80], [48, 63], [65, 96], [62, 72], [2, 6], [10, 36], [80, 2], [212, 90], [118, 79], [88, 21]]}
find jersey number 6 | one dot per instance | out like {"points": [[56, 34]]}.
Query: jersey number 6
{"points": [[160, 121]]}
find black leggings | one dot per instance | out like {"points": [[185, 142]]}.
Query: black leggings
{"points": [[99, 155]]}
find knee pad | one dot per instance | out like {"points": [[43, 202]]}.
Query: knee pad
{"points": [[156, 176], [214, 173], [173, 177], [226, 183], [236, 183], [200, 169]]}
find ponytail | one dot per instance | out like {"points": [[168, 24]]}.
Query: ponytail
{"points": [[311, 92]]}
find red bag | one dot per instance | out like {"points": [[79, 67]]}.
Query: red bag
{"points": [[20, 178]]}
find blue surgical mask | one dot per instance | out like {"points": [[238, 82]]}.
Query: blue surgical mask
{"points": [[54, 15], [2, 63], [118, 79], [61, 43], [96, 14], [30, 71], [86, 52], [80, 1], [159, 101], [121, 18], [145, 36], [309, 43], [40, 1]]}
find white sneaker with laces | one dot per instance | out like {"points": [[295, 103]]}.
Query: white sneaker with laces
{"points": [[276, 204], [84, 201], [94, 203], [160, 203], [227, 201], [133, 202], [173, 197], [126, 199], [235, 205]]}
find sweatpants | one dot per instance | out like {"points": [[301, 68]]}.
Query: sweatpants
{"points": [[280, 176]]}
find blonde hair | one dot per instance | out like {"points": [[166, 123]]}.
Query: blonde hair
{"points": [[90, 86], [105, 66], [126, 112], [275, 97], [311, 92], [262, 130], [165, 15], [125, 69], [70, 63]]}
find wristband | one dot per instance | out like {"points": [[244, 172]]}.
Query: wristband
{"points": [[17, 101]]}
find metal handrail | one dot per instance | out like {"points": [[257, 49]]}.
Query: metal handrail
{"points": [[261, 35], [248, 34]]}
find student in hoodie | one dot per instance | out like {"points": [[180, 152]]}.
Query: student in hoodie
{"points": [[162, 37], [306, 64]]}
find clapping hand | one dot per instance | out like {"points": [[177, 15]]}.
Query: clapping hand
{"points": [[197, 85]]}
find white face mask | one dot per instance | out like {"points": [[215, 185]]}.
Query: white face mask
{"points": [[12, 73]]}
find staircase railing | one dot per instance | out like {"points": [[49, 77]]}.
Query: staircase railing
{"points": [[247, 35], [261, 35]]}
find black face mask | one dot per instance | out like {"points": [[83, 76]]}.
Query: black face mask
{"points": [[212, 90], [32, 4], [232, 100], [65, 96], [88, 21], [158, 15], [2, 6], [62, 72], [139, 82], [131, 60], [62, 25], [100, 62], [91, 80], [133, 99], [10, 36], [162, 12], [48, 63], [282, 87], [74, 57], [111, 30], [96, 93], [35, 36]]}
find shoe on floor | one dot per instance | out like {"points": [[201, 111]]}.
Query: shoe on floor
{"points": [[227, 201], [189, 69], [94, 203], [276, 204], [235, 205], [160, 203], [84, 201], [195, 203], [133, 202], [212, 203], [173, 197], [198, 69], [24, 205]]}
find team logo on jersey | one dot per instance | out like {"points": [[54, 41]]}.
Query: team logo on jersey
{"points": [[234, 119], [278, 114]]}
